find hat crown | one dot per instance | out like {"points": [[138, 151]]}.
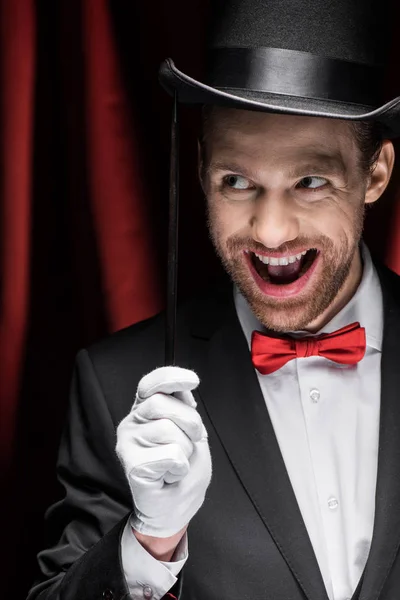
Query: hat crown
{"points": [[352, 30], [323, 58]]}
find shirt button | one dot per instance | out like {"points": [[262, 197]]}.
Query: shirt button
{"points": [[147, 591], [315, 395], [333, 503]]}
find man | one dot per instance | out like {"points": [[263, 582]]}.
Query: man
{"points": [[298, 397]]}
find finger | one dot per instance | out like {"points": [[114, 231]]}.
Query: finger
{"points": [[161, 460], [186, 397], [173, 477], [159, 432], [162, 406], [200, 472], [167, 380]]}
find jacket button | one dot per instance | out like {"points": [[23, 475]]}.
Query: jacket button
{"points": [[108, 595]]}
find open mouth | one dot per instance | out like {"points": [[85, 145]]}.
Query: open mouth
{"points": [[285, 269]]}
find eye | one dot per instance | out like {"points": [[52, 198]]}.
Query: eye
{"points": [[312, 183], [237, 182]]}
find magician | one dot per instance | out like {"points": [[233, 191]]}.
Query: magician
{"points": [[265, 465]]}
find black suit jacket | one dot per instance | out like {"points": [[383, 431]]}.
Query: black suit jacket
{"points": [[248, 541]]}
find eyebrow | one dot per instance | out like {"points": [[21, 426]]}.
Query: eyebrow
{"points": [[319, 162], [218, 165], [310, 163]]}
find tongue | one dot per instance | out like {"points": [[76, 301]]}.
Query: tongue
{"points": [[285, 273]]}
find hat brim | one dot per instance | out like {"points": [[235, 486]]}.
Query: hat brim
{"points": [[191, 91]]}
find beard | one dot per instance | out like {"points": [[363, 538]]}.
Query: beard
{"points": [[291, 313]]}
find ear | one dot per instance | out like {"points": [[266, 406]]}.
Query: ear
{"points": [[381, 173]]}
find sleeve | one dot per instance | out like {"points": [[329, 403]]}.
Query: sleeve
{"points": [[87, 525], [145, 574]]}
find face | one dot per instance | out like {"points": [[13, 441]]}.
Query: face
{"points": [[286, 198]]}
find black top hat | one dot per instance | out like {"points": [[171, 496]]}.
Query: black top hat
{"points": [[308, 57]]}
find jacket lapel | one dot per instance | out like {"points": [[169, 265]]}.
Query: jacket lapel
{"points": [[386, 536], [236, 407]]}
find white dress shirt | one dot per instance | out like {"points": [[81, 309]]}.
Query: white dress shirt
{"points": [[326, 420]]}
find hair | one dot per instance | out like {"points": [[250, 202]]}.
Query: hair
{"points": [[367, 134], [369, 138]]}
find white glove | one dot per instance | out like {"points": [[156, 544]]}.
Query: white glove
{"points": [[163, 447]]}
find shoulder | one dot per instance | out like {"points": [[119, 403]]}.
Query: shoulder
{"points": [[148, 337], [119, 347], [120, 360]]}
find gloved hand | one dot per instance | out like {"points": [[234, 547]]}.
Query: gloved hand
{"points": [[163, 447]]}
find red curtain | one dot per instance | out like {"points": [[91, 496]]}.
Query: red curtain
{"points": [[84, 143]]}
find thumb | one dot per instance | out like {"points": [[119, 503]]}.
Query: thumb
{"points": [[168, 380]]}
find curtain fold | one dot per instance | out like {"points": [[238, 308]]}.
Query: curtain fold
{"points": [[17, 40], [117, 191]]}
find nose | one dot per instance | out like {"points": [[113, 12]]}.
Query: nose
{"points": [[274, 221]]}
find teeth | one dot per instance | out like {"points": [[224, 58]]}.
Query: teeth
{"points": [[284, 260]]}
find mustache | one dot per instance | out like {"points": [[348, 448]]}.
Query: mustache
{"points": [[236, 245]]}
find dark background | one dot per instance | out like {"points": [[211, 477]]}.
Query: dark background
{"points": [[84, 176]]}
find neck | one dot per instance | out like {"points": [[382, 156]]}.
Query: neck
{"points": [[346, 293]]}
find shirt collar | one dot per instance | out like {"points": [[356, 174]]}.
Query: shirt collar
{"points": [[366, 307]]}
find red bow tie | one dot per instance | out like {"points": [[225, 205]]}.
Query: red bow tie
{"points": [[345, 346]]}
